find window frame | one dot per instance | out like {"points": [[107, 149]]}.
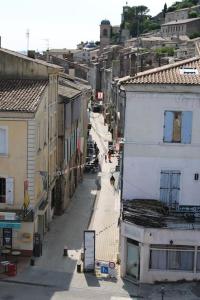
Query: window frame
{"points": [[1, 194], [6, 143], [186, 122], [168, 250]]}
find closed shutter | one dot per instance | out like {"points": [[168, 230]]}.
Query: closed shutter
{"points": [[186, 127], [170, 187], [9, 190], [3, 141], [175, 187], [168, 126], [165, 186]]}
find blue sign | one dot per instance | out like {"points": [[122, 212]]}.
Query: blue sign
{"points": [[104, 270], [10, 225]]}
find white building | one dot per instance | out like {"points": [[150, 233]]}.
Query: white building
{"points": [[160, 228]]}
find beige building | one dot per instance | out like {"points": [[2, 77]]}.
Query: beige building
{"points": [[180, 27], [28, 148]]}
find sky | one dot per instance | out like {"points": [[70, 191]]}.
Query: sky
{"points": [[60, 23]]}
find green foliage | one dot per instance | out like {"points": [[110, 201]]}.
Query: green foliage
{"points": [[194, 35], [165, 50], [138, 21], [193, 14], [183, 4]]}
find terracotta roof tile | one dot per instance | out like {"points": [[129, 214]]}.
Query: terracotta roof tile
{"points": [[169, 74], [21, 94]]}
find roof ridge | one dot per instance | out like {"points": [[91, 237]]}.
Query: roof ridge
{"points": [[167, 67], [167, 74]]}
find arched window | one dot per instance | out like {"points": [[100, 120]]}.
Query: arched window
{"points": [[105, 32]]}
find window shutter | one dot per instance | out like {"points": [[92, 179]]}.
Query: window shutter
{"points": [[168, 126], [165, 186], [9, 190], [186, 127], [3, 141]]}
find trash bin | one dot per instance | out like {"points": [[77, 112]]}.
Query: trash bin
{"points": [[78, 267], [12, 270], [65, 252]]}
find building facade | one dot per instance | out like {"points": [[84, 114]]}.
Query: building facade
{"points": [[160, 178], [28, 113]]}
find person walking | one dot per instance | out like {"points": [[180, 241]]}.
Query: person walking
{"points": [[109, 156], [105, 158]]}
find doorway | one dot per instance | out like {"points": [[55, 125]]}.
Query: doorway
{"points": [[133, 259]]}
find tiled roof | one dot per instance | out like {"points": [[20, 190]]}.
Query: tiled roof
{"points": [[67, 92], [21, 95], [169, 74]]}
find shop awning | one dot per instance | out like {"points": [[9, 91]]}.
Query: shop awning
{"points": [[14, 225]]}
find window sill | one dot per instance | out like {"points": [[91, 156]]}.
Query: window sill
{"points": [[3, 154], [174, 144]]}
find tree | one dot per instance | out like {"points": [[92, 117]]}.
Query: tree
{"points": [[164, 9]]}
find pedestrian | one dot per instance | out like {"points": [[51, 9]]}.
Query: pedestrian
{"points": [[109, 156], [105, 158], [112, 180]]}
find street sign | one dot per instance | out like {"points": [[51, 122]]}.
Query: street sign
{"points": [[111, 265], [104, 270]]}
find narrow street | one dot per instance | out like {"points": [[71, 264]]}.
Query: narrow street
{"points": [[89, 208], [54, 276]]}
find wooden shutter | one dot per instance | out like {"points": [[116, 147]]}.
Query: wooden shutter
{"points": [[168, 126], [186, 127], [165, 186], [3, 141], [9, 190]]}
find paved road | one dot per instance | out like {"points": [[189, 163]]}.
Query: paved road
{"points": [[54, 277]]}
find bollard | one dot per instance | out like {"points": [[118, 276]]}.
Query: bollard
{"points": [[32, 261], [65, 253], [82, 256], [78, 267]]}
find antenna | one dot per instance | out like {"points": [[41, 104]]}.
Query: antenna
{"points": [[27, 36], [47, 43]]}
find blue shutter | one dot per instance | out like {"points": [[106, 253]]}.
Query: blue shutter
{"points": [[165, 186], [175, 188], [168, 126], [186, 127]]}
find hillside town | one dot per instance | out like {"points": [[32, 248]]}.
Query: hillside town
{"points": [[100, 163]]}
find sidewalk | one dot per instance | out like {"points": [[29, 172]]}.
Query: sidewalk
{"points": [[99, 211]]}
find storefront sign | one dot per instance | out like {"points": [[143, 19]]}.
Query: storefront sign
{"points": [[189, 208], [100, 95], [10, 225], [8, 216]]}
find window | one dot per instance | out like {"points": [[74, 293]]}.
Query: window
{"points": [[177, 127], [170, 187], [38, 137], [105, 32], [6, 190], [198, 259], [171, 258], [2, 190], [3, 140]]}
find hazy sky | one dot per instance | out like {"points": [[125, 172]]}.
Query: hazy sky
{"points": [[60, 23]]}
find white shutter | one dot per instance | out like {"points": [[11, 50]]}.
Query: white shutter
{"points": [[9, 190]]}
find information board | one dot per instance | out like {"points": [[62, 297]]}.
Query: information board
{"points": [[89, 251]]}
